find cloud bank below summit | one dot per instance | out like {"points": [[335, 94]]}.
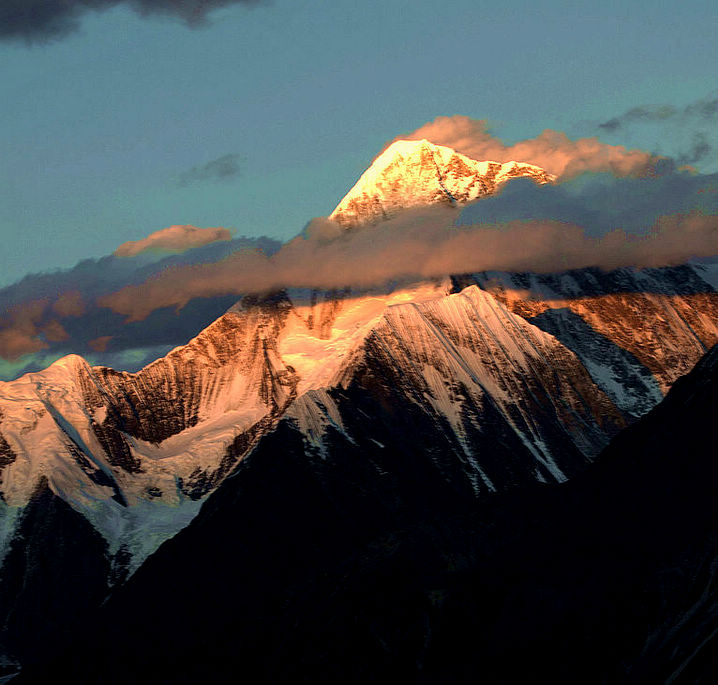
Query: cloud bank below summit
{"points": [[594, 220], [419, 244], [126, 309], [46, 315]]}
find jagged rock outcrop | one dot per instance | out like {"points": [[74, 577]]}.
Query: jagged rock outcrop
{"points": [[411, 173], [636, 331]]}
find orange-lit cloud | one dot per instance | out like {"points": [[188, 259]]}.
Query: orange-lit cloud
{"points": [[69, 304], [554, 151], [173, 239], [58, 313], [54, 331], [19, 333], [29, 327], [100, 344], [418, 244]]}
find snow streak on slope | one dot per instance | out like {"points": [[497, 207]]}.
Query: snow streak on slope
{"points": [[502, 401], [560, 362], [136, 453], [320, 338], [411, 173]]}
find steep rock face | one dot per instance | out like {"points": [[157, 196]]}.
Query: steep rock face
{"points": [[502, 402], [369, 401], [231, 366], [411, 173], [7, 455], [135, 453], [636, 331], [559, 362]]}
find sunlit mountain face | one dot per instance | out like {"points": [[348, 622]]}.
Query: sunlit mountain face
{"points": [[427, 479], [413, 173]]}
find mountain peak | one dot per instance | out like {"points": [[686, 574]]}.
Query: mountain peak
{"points": [[410, 173]]}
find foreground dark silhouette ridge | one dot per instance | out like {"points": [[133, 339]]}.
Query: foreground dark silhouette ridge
{"points": [[361, 565]]}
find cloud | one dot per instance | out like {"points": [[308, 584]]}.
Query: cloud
{"points": [[705, 110], [687, 131], [47, 315], [53, 331], [99, 344], [126, 311], [43, 20], [642, 113], [173, 239], [220, 169], [601, 202], [699, 150], [419, 243], [554, 151], [32, 325], [69, 304], [19, 331]]}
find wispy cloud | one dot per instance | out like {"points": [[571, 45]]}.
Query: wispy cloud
{"points": [[223, 168], [689, 131], [173, 239], [38, 21], [554, 151], [704, 110], [699, 149]]}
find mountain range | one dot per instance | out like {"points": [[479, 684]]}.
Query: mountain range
{"points": [[314, 456]]}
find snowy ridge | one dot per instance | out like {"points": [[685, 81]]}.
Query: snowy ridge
{"points": [[636, 331], [561, 361], [471, 341], [137, 453], [410, 173]]}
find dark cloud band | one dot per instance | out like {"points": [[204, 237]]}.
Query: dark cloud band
{"points": [[43, 20], [705, 110]]}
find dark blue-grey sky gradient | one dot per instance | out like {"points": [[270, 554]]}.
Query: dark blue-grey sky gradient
{"points": [[106, 131]]}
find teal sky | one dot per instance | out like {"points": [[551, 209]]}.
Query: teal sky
{"points": [[99, 127]]}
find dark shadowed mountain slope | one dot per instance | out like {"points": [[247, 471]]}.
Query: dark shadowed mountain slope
{"points": [[55, 570], [359, 566]]}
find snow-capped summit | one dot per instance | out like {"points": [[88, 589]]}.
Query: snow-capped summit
{"points": [[416, 172]]}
